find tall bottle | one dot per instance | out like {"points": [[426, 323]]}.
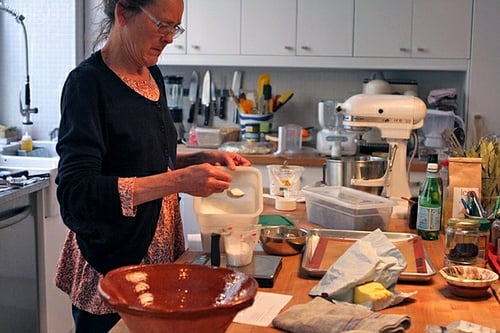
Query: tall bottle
{"points": [[430, 203]]}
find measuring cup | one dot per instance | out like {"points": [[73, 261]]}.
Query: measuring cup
{"points": [[239, 243]]}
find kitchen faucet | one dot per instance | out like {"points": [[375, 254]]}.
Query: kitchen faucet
{"points": [[25, 110]]}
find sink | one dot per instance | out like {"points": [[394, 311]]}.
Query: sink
{"points": [[43, 156]]}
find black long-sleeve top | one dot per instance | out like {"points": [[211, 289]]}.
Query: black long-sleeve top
{"points": [[107, 130]]}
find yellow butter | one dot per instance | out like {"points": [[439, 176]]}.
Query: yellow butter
{"points": [[370, 292]]}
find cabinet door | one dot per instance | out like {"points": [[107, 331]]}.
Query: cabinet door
{"points": [[324, 27], [213, 26], [382, 28], [179, 44], [442, 28], [268, 27]]}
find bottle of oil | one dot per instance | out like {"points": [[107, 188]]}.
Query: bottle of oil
{"points": [[26, 142], [430, 203]]}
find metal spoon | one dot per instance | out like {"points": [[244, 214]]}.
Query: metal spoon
{"points": [[235, 193]]}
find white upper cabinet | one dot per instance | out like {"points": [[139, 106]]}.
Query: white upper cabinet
{"points": [[213, 27], [268, 27], [179, 44], [324, 27], [382, 28], [413, 28], [442, 28]]}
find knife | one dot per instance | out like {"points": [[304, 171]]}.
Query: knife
{"points": [[235, 87], [213, 96], [193, 95], [222, 100], [205, 97]]}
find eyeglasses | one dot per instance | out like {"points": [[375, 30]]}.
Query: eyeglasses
{"points": [[164, 28]]}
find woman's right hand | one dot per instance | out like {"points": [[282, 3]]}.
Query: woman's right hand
{"points": [[202, 180]]}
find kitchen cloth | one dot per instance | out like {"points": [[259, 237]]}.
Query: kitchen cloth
{"points": [[323, 316], [438, 94], [372, 258]]}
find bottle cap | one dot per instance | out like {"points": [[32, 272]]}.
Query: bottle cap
{"points": [[432, 158]]}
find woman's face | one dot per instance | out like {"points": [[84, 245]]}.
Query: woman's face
{"points": [[144, 41]]}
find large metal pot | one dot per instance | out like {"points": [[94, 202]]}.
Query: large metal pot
{"points": [[338, 171]]}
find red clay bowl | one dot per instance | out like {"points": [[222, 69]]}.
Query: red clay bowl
{"points": [[177, 297]]}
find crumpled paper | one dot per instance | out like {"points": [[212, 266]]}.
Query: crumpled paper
{"points": [[372, 258]]}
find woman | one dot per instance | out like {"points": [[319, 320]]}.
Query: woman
{"points": [[119, 174]]}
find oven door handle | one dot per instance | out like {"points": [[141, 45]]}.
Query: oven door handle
{"points": [[13, 216]]}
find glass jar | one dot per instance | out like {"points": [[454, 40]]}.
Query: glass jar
{"points": [[462, 241]]}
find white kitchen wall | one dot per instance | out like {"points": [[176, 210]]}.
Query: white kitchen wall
{"points": [[51, 28]]}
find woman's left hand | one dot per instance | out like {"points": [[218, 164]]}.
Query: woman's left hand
{"points": [[227, 159]]}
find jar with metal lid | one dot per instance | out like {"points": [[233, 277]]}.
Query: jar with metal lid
{"points": [[462, 241]]}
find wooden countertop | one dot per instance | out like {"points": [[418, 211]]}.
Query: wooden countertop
{"points": [[303, 160], [433, 304]]}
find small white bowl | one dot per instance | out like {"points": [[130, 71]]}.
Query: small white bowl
{"points": [[468, 281]]}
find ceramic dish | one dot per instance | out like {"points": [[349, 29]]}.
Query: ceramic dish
{"points": [[468, 281], [178, 298]]}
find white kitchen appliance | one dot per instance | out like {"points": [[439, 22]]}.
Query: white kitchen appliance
{"points": [[332, 139], [396, 116]]}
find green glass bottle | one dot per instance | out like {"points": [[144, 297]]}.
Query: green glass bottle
{"points": [[430, 204]]}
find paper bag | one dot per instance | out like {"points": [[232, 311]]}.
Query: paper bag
{"points": [[464, 176]]}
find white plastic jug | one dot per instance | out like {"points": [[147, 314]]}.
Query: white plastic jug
{"points": [[435, 122], [239, 243]]}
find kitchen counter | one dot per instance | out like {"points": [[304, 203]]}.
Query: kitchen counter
{"points": [[6, 196], [433, 304], [300, 159]]}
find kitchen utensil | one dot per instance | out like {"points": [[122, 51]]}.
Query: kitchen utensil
{"points": [[283, 240], [452, 142], [435, 122], [239, 243], [193, 95], [213, 96], [289, 139], [235, 193], [177, 297], [284, 98], [235, 88], [174, 91], [338, 171], [222, 100], [205, 97]]}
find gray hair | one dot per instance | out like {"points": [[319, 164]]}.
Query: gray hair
{"points": [[108, 7]]}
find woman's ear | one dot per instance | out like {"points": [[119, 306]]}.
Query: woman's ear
{"points": [[120, 14]]}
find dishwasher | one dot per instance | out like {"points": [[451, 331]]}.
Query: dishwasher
{"points": [[19, 300]]}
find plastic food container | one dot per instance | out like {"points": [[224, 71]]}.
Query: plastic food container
{"points": [[220, 210], [214, 137], [339, 207]]}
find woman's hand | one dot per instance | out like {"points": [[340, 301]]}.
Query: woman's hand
{"points": [[203, 180], [229, 160]]}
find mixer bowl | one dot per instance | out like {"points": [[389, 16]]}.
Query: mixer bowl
{"points": [[338, 171]]}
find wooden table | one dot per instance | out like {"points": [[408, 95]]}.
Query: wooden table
{"points": [[432, 305]]}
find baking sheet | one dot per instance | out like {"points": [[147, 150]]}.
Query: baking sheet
{"points": [[324, 246]]}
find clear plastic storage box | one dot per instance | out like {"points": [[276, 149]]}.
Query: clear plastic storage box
{"points": [[344, 208]]}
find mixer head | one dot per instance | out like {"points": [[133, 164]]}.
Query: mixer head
{"points": [[395, 115]]}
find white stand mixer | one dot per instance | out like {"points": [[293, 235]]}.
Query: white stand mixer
{"points": [[396, 116]]}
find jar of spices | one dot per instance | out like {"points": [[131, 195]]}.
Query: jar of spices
{"points": [[462, 241]]}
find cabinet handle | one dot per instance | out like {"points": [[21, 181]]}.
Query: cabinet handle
{"points": [[305, 48], [179, 47], [404, 49], [196, 47], [421, 49], [289, 48]]}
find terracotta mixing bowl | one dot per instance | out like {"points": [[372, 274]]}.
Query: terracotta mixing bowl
{"points": [[177, 297]]}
